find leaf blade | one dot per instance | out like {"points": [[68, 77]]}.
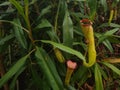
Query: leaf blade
{"points": [[53, 78], [98, 78], [19, 34], [65, 48], [67, 30], [112, 67], [13, 70], [18, 6]]}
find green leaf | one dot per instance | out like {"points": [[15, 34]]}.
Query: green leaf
{"points": [[53, 36], [19, 34], [36, 78], [26, 2], [98, 78], [111, 25], [108, 45], [66, 49], [114, 3], [32, 2], [104, 74], [13, 23], [106, 35], [111, 32], [114, 39], [83, 79], [44, 23], [104, 4], [13, 83], [67, 30], [112, 67], [93, 7], [83, 45], [48, 68], [5, 42], [18, 6], [78, 15], [6, 39], [62, 10], [5, 3], [69, 87], [79, 74], [45, 11], [19, 64]]}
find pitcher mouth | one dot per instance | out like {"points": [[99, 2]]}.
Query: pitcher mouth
{"points": [[85, 22]]}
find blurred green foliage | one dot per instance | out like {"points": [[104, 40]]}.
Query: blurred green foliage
{"points": [[31, 29]]}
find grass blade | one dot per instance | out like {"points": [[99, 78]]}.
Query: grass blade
{"points": [[18, 6], [13, 83], [5, 3], [48, 69], [6, 39], [112, 67], [44, 24], [19, 34], [111, 32], [65, 48], [79, 74], [108, 45], [20, 63], [98, 78]]}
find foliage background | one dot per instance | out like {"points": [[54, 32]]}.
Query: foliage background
{"points": [[31, 29]]}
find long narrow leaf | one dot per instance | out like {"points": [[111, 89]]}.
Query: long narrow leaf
{"points": [[104, 4], [19, 34], [111, 32], [67, 30], [108, 45], [65, 48], [5, 3], [44, 24], [13, 23], [98, 78], [6, 39], [48, 69], [79, 74], [112, 67], [13, 83], [18, 6], [20, 63], [106, 35], [45, 11], [111, 25], [52, 35]]}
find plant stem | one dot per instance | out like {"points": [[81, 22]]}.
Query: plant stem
{"points": [[28, 22], [56, 17], [68, 76]]}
